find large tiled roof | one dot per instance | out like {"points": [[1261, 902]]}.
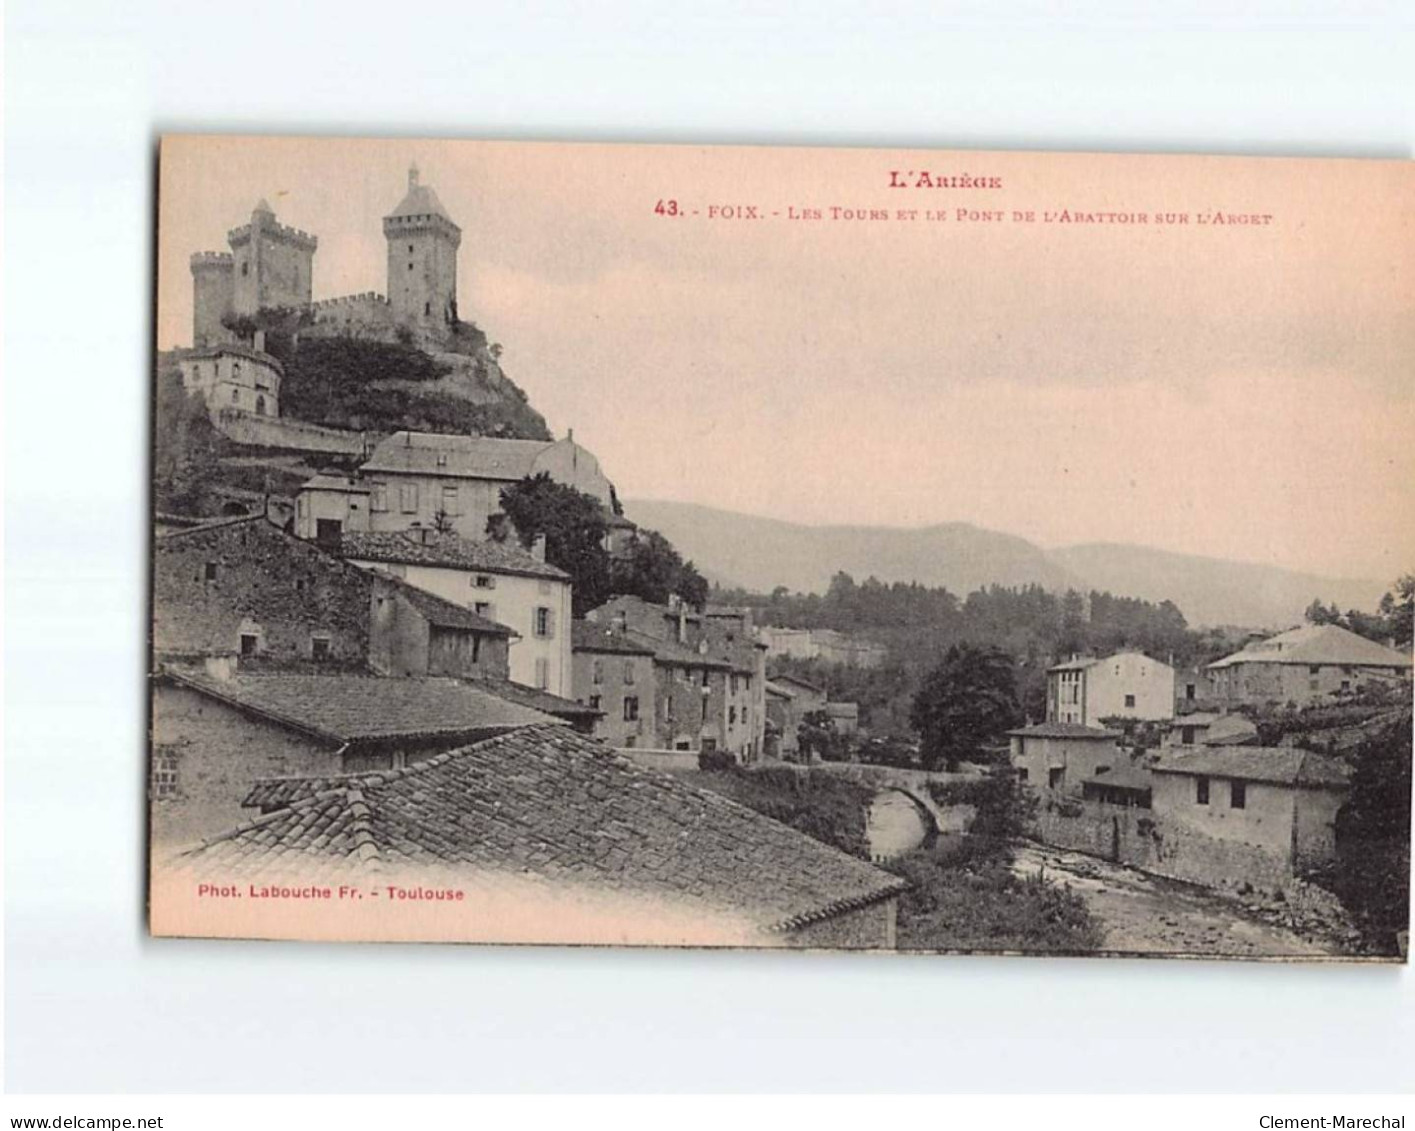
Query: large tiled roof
{"points": [[441, 612], [1285, 765], [538, 699], [797, 681], [547, 804], [420, 200], [590, 636], [356, 708], [1318, 644], [461, 457], [450, 551], [1063, 730]]}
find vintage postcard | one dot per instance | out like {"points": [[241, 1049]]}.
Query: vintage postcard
{"points": [[825, 548]]}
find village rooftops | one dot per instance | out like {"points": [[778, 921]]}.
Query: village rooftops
{"points": [[1282, 765], [1318, 644], [591, 636], [357, 709], [547, 804], [428, 547], [1063, 730]]}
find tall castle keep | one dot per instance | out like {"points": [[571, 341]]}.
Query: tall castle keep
{"points": [[271, 265]]}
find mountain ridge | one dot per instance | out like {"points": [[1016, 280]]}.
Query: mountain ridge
{"points": [[760, 553]]}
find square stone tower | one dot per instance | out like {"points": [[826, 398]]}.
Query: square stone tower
{"points": [[272, 265], [422, 260]]}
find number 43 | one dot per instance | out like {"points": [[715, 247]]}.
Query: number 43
{"points": [[666, 208]]}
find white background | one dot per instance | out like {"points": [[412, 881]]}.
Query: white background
{"points": [[93, 1005]]}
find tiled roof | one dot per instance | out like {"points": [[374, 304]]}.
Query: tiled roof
{"points": [[441, 612], [459, 457], [420, 200], [1230, 730], [549, 804], [796, 681], [1063, 730], [206, 525], [1318, 644], [590, 636], [538, 699], [235, 349], [335, 483], [1284, 765], [1080, 663], [356, 708], [1197, 719], [671, 652], [1124, 777], [450, 551], [773, 688]]}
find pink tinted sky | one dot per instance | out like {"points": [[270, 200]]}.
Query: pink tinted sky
{"points": [[1240, 392]]}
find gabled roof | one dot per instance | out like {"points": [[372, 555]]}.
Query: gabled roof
{"points": [[449, 551], [441, 612], [1281, 765], [773, 688], [591, 636], [1230, 730], [1080, 663], [797, 681], [342, 709], [538, 699], [462, 457], [1134, 778], [546, 803], [1063, 730], [1317, 644]]}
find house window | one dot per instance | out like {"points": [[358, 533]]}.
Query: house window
{"points": [[1314, 669], [1186, 736], [1130, 700], [1201, 791], [449, 500], [595, 701], [732, 716], [1021, 773], [483, 609], [1190, 690], [476, 648], [631, 708], [260, 406], [483, 581], [235, 395], [408, 498], [542, 673], [706, 673], [1238, 795], [545, 622], [166, 764], [319, 647], [631, 741], [210, 571], [250, 643], [629, 672], [597, 672], [378, 497], [682, 744], [1056, 777], [709, 744]]}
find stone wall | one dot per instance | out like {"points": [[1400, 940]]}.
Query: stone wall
{"points": [[1164, 846], [295, 435]]}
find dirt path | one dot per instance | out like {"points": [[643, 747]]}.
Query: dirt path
{"points": [[1143, 914]]}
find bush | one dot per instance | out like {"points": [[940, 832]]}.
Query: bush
{"points": [[716, 761], [815, 802]]}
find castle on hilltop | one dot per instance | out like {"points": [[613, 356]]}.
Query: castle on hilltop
{"points": [[271, 265]]}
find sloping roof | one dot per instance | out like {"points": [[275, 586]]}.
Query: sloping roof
{"points": [[798, 682], [844, 710], [463, 457], [1135, 778], [1230, 730], [1063, 730], [1080, 663], [441, 612], [335, 483], [1317, 644], [548, 803], [1283, 765], [420, 200], [667, 651], [590, 636], [355, 708], [773, 688], [1197, 719], [234, 349], [205, 526], [450, 551], [538, 699]]}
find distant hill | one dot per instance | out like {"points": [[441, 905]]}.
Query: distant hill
{"points": [[762, 553]]}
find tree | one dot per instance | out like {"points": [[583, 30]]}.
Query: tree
{"points": [[1398, 608], [574, 527], [967, 701], [184, 459], [654, 570], [816, 734], [1372, 874], [1318, 613]]}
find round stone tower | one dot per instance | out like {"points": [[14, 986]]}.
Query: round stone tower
{"points": [[422, 260]]}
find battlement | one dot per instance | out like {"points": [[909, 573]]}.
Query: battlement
{"points": [[362, 299], [213, 260], [428, 221], [236, 237]]}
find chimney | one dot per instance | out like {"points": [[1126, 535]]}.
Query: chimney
{"points": [[538, 547]]}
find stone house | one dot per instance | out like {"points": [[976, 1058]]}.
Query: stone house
{"points": [[327, 506], [415, 477], [1127, 685], [614, 674], [783, 738], [216, 731], [499, 581], [233, 378], [244, 587], [1310, 664], [1282, 800], [1206, 728], [1063, 756], [585, 846]]}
